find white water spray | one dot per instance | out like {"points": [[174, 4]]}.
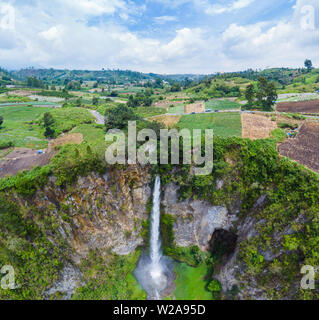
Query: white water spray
{"points": [[155, 248], [153, 271]]}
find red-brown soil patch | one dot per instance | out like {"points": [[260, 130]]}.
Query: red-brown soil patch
{"points": [[310, 106], [305, 147]]}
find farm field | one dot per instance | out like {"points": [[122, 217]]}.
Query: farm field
{"points": [[22, 124], [68, 118], [224, 124], [21, 159], [256, 126], [146, 112], [17, 126], [295, 97], [222, 105], [178, 109], [310, 106], [194, 107], [305, 147], [169, 121]]}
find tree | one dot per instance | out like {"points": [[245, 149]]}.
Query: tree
{"points": [[175, 87], [118, 117], [266, 94], [78, 102], [1, 121], [95, 101], [49, 132], [308, 64], [271, 96], [48, 119], [48, 123], [250, 94]]}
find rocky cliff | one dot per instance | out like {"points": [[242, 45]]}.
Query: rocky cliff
{"points": [[107, 212]]}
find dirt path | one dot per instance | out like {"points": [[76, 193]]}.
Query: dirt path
{"points": [[98, 116]]}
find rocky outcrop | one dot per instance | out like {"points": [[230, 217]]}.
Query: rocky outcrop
{"points": [[195, 221], [70, 279], [99, 212]]}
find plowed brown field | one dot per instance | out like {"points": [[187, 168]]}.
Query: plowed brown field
{"points": [[311, 106], [305, 147], [256, 126]]}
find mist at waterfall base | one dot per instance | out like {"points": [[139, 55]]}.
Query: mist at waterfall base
{"points": [[154, 271]]}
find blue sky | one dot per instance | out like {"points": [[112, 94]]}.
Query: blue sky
{"points": [[163, 36]]}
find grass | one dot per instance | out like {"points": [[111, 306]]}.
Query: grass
{"points": [[94, 135], [224, 124], [191, 283], [147, 112], [137, 292], [18, 129], [110, 278], [68, 118], [178, 109], [22, 124], [222, 105], [13, 98]]}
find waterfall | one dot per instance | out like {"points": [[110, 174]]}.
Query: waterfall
{"points": [[155, 241], [154, 271]]}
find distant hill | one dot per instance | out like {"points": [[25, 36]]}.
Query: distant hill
{"points": [[106, 76], [5, 77]]}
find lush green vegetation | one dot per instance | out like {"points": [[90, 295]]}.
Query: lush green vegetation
{"points": [[24, 127], [251, 169], [222, 105], [13, 98], [65, 119], [224, 124], [176, 109], [147, 112], [109, 277], [25, 246], [58, 94], [19, 127], [216, 88], [264, 96], [191, 283]]}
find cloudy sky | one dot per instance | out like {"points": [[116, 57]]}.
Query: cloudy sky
{"points": [[162, 36]]}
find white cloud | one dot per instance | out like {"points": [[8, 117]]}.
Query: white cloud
{"points": [[95, 7], [165, 19], [219, 9], [62, 38]]}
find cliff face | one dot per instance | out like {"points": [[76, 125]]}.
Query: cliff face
{"points": [[106, 213], [195, 221], [198, 223], [98, 212]]}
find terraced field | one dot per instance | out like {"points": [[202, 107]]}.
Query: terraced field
{"points": [[224, 124], [222, 105]]}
